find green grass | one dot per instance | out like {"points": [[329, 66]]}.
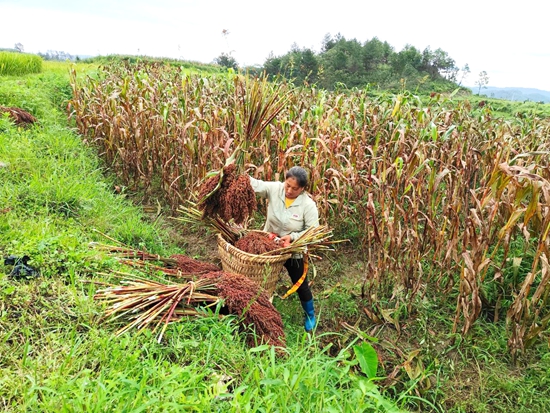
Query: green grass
{"points": [[12, 63]]}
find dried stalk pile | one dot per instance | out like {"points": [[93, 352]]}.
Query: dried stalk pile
{"points": [[228, 196], [19, 116]]}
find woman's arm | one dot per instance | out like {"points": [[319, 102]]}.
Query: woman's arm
{"points": [[263, 188]]}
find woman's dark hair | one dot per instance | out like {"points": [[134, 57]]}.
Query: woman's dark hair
{"points": [[298, 173]]}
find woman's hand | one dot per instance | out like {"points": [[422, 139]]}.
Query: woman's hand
{"points": [[285, 240]]}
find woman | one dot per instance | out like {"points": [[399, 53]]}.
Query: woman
{"points": [[290, 212]]}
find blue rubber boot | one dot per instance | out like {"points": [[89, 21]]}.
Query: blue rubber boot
{"points": [[310, 322]]}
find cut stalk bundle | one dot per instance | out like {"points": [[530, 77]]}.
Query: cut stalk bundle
{"points": [[244, 298], [176, 264], [192, 215], [190, 265], [123, 251], [186, 267], [314, 239], [148, 303]]}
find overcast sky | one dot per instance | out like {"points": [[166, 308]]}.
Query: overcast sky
{"points": [[509, 40]]}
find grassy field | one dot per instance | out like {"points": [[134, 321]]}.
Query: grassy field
{"points": [[57, 354]]}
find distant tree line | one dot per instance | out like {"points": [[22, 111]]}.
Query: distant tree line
{"points": [[350, 63], [57, 55], [49, 55]]}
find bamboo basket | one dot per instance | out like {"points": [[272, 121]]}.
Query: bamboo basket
{"points": [[262, 269]]}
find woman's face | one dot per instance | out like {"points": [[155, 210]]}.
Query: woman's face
{"points": [[292, 189]]}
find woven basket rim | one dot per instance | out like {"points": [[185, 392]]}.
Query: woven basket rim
{"points": [[246, 256]]}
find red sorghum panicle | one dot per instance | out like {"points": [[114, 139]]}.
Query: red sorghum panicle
{"points": [[240, 199], [188, 265], [256, 243], [243, 297]]}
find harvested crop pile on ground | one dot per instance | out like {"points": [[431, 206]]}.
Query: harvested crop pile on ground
{"points": [[19, 116], [177, 264], [144, 303], [188, 265], [228, 196], [244, 298], [256, 242]]}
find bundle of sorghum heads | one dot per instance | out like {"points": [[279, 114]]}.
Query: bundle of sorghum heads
{"points": [[234, 199]]}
